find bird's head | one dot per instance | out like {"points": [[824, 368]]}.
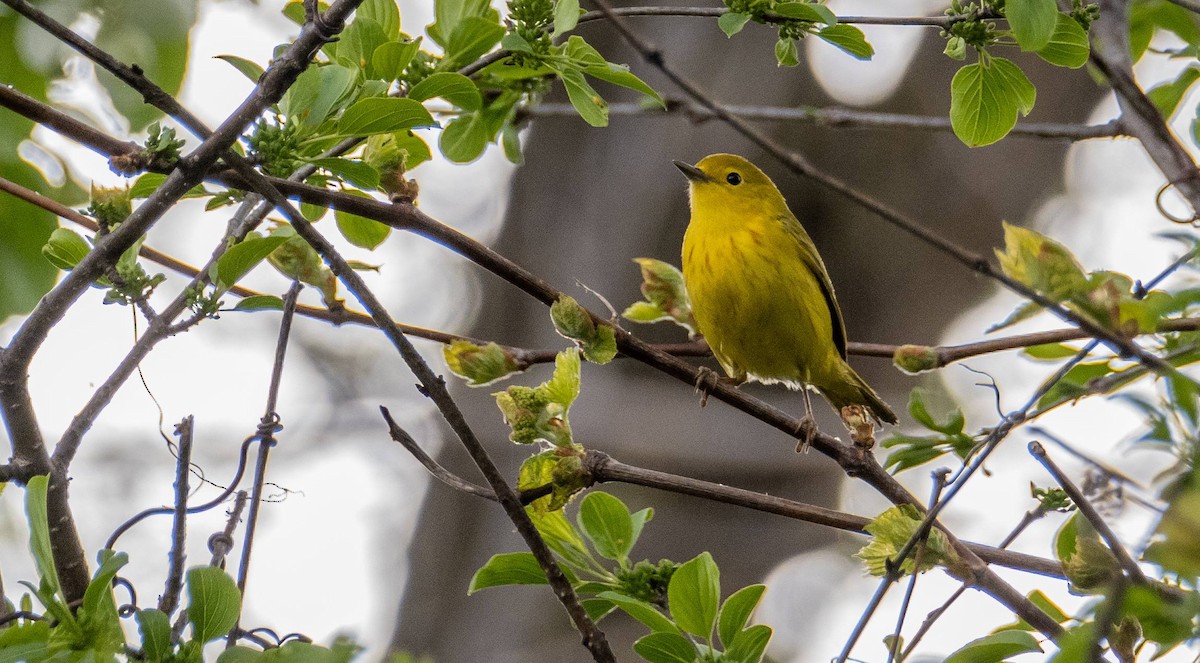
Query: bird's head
{"points": [[731, 183]]}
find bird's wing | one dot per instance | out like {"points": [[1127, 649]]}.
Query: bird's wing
{"points": [[812, 260]]}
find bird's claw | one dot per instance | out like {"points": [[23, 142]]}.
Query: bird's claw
{"points": [[806, 430], [707, 379]]}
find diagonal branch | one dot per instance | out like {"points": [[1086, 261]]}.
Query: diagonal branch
{"points": [[1139, 115]]}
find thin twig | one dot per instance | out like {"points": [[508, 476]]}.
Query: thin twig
{"points": [[1089, 512], [939, 483], [845, 118], [174, 585], [221, 543], [715, 12], [1030, 517], [268, 425]]}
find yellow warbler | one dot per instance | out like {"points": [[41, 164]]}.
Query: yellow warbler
{"points": [[759, 291]]}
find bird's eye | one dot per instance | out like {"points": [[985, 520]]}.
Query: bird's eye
{"points": [[733, 178]]}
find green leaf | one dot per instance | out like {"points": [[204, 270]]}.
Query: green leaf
{"points": [[519, 568], [22, 643], [213, 602], [572, 321], [598, 609], [1022, 313], [455, 88], [891, 530], [355, 172], [849, 39], [642, 611], [316, 93], [561, 537], [242, 654], [1032, 22], [732, 23], [805, 11], [607, 523], [749, 645], [985, 98], [736, 611], [360, 231], [693, 595], [786, 53], [65, 248], [510, 140], [956, 48], [155, 629], [1168, 95], [248, 68], [465, 138], [995, 647], [244, 256], [355, 46], [449, 14], [1043, 602], [666, 648], [566, 16], [98, 614], [473, 37], [37, 515], [1075, 383], [260, 303], [639, 520], [479, 365], [384, 12], [1086, 560], [1068, 46], [587, 102], [1050, 351], [1164, 620], [389, 60], [380, 115], [596, 66]]}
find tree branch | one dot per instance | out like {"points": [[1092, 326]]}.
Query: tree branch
{"points": [[1139, 115], [847, 118]]}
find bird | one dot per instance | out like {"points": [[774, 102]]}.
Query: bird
{"points": [[760, 293]]}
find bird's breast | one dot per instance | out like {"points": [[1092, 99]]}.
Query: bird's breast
{"points": [[755, 301]]}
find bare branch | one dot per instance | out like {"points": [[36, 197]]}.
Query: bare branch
{"points": [[268, 425], [170, 597], [1139, 115], [843, 118]]}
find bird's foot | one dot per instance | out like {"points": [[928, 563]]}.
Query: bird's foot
{"points": [[707, 379], [806, 430]]}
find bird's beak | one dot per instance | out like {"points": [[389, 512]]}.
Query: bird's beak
{"points": [[691, 172]]}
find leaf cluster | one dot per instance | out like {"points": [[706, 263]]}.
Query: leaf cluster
{"points": [[680, 603]]}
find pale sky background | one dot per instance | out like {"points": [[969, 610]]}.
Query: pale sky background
{"points": [[325, 556]]}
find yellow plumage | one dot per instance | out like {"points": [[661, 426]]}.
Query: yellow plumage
{"points": [[759, 291]]}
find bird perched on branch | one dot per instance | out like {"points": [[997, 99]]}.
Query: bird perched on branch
{"points": [[760, 293]]}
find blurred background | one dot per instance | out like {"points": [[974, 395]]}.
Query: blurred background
{"points": [[357, 540]]}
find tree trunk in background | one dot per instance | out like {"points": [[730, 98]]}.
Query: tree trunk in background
{"points": [[588, 201]]}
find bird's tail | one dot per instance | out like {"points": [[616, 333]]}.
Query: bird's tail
{"points": [[853, 390]]}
